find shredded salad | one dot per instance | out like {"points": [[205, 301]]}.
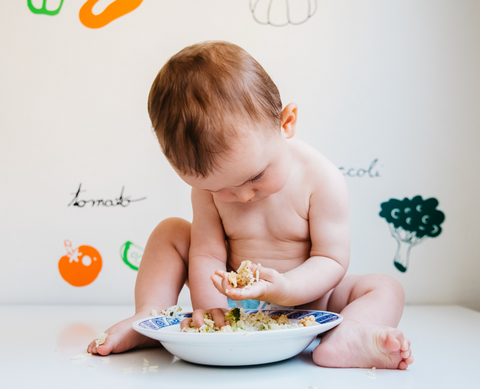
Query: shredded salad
{"points": [[238, 321]]}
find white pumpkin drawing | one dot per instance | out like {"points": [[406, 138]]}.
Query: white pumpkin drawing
{"points": [[279, 13]]}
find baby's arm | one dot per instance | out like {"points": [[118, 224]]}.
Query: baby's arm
{"points": [[330, 237], [207, 254], [329, 254]]}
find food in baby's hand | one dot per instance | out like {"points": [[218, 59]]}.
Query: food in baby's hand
{"points": [[241, 322], [244, 275]]}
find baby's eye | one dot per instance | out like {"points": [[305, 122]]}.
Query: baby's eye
{"points": [[257, 177]]}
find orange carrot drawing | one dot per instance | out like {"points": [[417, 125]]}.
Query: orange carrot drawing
{"points": [[113, 11], [81, 266]]}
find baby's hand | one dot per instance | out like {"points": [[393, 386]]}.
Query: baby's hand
{"points": [[271, 286], [217, 314]]}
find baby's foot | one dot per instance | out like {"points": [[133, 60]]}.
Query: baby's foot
{"points": [[354, 344], [122, 337]]}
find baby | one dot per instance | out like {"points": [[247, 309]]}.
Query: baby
{"points": [[258, 194]]}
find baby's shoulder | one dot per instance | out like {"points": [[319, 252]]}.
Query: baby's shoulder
{"points": [[317, 169]]}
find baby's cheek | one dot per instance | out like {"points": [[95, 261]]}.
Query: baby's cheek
{"points": [[275, 185], [225, 196]]}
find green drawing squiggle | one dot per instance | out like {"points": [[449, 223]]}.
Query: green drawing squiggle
{"points": [[44, 9], [131, 255]]}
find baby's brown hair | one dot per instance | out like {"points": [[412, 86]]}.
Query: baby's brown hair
{"points": [[203, 96]]}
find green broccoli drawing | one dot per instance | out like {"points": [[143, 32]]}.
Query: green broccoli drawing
{"points": [[411, 222]]}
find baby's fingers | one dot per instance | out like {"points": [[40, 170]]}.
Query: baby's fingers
{"points": [[185, 323], [267, 274], [197, 317], [218, 316], [223, 276], [220, 281], [255, 291]]}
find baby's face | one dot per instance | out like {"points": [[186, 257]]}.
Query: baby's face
{"points": [[257, 166]]}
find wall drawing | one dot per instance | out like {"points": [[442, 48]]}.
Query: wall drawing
{"points": [[280, 13], [131, 255], [277, 13], [102, 202], [113, 11], [81, 266], [43, 9], [411, 222]]}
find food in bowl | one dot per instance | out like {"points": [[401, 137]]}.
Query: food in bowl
{"points": [[239, 321]]}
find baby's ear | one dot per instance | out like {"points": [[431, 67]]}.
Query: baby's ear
{"points": [[289, 120]]}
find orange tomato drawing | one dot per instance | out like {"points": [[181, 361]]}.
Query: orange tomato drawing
{"points": [[81, 266], [113, 11]]}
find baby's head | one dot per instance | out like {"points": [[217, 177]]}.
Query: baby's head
{"points": [[219, 120]]}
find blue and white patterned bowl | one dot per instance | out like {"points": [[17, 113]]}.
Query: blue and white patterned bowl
{"points": [[237, 348]]}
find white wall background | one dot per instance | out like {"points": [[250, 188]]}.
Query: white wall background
{"points": [[397, 81]]}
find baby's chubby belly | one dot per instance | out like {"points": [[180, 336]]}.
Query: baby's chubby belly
{"points": [[274, 232], [280, 255]]}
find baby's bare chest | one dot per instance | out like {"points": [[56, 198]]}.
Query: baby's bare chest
{"points": [[268, 221]]}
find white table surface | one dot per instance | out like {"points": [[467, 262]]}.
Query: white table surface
{"points": [[38, 342]]}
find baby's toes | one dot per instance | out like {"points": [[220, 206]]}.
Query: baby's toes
{"points": [[405, 344], [91, 348], [405, 354], [404, 363], [394, 341], [104, 349]]}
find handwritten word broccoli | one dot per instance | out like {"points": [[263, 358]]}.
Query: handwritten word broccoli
{"points": [[411, 222]]}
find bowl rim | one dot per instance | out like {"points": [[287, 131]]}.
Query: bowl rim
{"points": [[171, 333]]}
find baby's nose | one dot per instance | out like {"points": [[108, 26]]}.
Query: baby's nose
{"points": [[245, 195]]}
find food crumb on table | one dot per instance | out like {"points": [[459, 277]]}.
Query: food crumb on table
{"points": [[371, 373], [83, 356], [126, 369]]}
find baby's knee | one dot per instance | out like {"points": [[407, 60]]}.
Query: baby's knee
{"points": [[175, 230], [387, 284], [173, 226]]}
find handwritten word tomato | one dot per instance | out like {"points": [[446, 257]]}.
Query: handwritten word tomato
{"points": [[81, 266]]}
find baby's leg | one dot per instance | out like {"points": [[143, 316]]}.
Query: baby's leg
{"points": [[371, 306], [160, 278]]}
